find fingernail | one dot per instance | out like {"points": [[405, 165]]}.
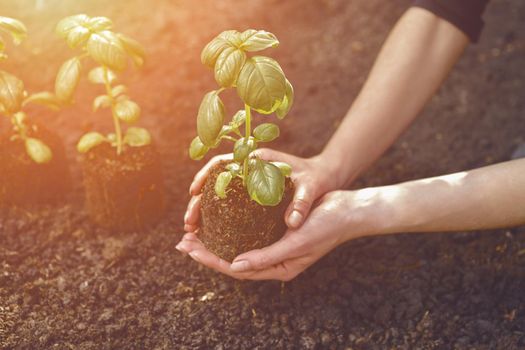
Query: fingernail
{"points": [[179, 248], [295, 218], [240, 266], [194, 256], [185, 217]]}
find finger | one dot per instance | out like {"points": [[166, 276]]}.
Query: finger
{"points": [[206, 258], [191, 217], [260, 259], [272, 155], [202, 175], [190, 228], [186, 246], [300, 206]]}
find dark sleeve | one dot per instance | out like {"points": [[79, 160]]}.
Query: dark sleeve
{"points": [[464, 14]]}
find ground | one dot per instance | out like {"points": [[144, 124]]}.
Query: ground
{"points": [[65, 284]]}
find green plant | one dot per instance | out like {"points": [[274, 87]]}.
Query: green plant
{"points": [[262, 86], [95, 39], [13, 98]]}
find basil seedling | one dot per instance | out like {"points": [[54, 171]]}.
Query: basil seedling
{"points": [[94, 37], [13, 97], [262, 86]]}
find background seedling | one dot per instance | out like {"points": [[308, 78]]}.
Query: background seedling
{"points": [[13, 97], [111, 51], [262, 86]]}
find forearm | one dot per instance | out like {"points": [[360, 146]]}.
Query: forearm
{"points": [[415, 59], [485, 198]]}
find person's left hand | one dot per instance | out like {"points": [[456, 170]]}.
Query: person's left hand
{"points": [[337, 218]]}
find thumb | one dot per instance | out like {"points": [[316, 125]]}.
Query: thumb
{"points": [[260, 259], [300, 207]]}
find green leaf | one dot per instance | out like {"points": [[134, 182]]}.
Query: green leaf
{"points": [[225, 130], [45, 99], [11, 92], [257, 40], [266, 132], [238, 119], [133, 49], [221, 184], [90, 140], [137, 137], [261, 84], [233, 37], [67, 79], [212, 50], [287, 103], [127, 111], [38, 151], [198, 149], [20, 117], [234, 168], [96, 75], [228, 66], [102, 101], [69, 23], [14, 27], [118, 90], [265, 183], [210, 118], [77, 36], [285, 168], [107, 49], [97, 24], [243, 148]]}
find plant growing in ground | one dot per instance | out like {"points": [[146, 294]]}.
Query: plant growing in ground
{"points": [[13, 98], [94, 38], [262, 86]]}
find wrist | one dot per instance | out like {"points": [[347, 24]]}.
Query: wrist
{"points": [[335, 172]]}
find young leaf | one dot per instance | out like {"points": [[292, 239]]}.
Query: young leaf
{"points": [[14, 27], [212, 50], [102, 101], [285, 168], [20, 118], [127, 111], [266, 132], [233, 37], [107, 49], [38, 151], [77, 36], [261, 84], [265, 183], [96, 75], [97, 24], [234, 168], [210, 118], [257, 40], [221, 184], [238, 119], [45, 99], [243, 148], [228, 66], [198, 149], [134, 49], [225, 130], [118, 90], [11, 92], [137, 137], [67, 79], [67, 24], [90, 140], [287, 103]]}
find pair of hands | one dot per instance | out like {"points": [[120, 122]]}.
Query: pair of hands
{"points": [[317, 221]]}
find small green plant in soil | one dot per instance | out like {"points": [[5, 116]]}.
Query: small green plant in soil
{"points": [[122, 171], [263, 88], [30, 174]]}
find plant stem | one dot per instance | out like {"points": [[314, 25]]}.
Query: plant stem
{"points": [[116, 122], [247, 134]]}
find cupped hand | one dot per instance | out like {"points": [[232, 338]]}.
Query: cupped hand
{"points": [[336, 218], [310, 176]]}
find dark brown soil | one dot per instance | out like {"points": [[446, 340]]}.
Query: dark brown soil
{"points": [[237, 224], [25, 183], [124, 192], [65, 283]]}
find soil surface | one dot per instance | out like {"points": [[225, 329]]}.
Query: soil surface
{"points": [[237, 224], [66, 284]]}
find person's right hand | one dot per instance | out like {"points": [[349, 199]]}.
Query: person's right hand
{"points": [[311, 178]]}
